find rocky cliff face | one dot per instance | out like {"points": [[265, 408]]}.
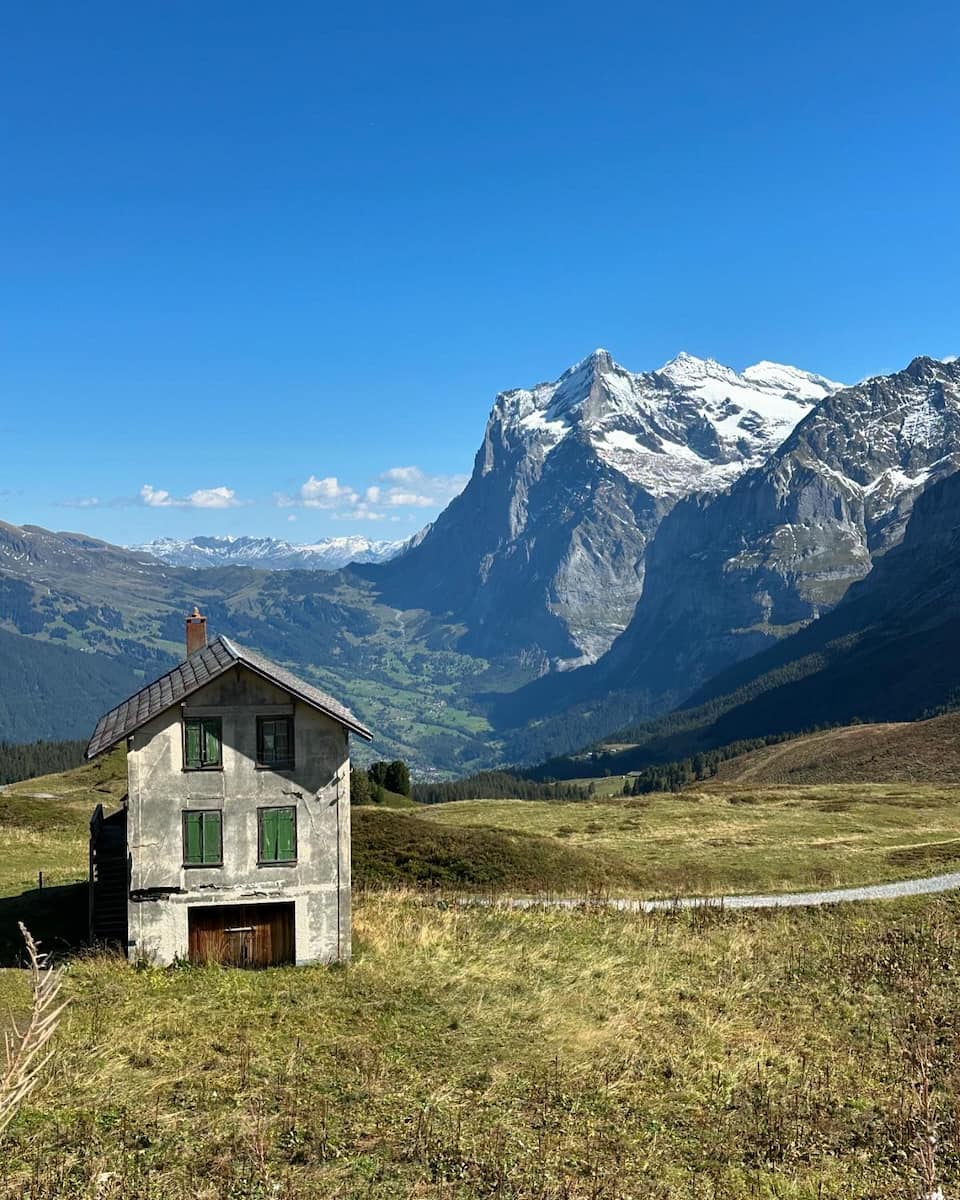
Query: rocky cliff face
{"points": [[727, 575], [543, 554]]}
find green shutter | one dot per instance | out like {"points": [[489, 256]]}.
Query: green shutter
{"points": [[212, 848], [211, 737], [268, 835], [286, 834], [193, 833], [193, 744]]}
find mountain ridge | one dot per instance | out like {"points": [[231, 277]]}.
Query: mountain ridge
{"points": [[731, 573], [570, 484], [275, 554]]}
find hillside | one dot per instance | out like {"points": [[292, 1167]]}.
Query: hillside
{"points": [[56, 692], [886, 653], [922, 752], [83, 622]]}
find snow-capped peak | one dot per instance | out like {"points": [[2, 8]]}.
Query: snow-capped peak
{"points": [[791, 380], [693, 425], [687, 370], [327, 554]]}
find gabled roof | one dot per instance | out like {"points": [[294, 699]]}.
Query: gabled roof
{"points": [[195, 672]]}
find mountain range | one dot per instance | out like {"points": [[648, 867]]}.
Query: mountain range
{"points": [[626, 543], [886, 652], [272, 554], [729, 574]]}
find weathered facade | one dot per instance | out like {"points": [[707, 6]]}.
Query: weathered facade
{"points": [[237, 814]]}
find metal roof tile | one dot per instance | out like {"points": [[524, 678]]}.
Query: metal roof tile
{"points": [[199, 669]]}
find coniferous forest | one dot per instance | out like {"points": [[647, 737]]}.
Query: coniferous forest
{"points": [[26, 759]]}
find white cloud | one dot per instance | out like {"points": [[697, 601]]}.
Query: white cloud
{"points": [[318, 493], [217, 497], [413, 488], [78, 502], [405, 475], [326, 492], [412, 499], [397, 487]]}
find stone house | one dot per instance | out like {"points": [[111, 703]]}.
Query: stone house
{"points": [[233, 842]]}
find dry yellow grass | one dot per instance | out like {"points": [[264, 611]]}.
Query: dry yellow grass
{"points": [[918, 752], [745, 838], [535, 1056]]}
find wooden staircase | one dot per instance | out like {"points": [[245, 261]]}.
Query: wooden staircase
{"points": [[109, 878]]}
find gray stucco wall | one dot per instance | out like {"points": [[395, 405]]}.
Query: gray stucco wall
{"points": [[160, 790]]}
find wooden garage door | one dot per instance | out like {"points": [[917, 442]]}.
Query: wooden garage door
{"points": [[242, 935]]}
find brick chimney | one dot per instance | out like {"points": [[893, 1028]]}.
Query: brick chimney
{"points": [[196, 632]]}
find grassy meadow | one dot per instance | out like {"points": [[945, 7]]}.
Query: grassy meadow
{"points": [[44, 822], [538, 1055], [733, 838]]}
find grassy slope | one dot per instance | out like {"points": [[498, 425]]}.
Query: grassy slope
{"points": [[721, 837], [743, 838], [926, 752], [44, 822], [525, 1056], [392, 800], [400, 849]]}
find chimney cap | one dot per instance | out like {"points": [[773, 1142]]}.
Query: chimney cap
{"points": [[195, 613]]}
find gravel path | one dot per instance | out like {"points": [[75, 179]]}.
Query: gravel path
{"points": [[874, 891]]}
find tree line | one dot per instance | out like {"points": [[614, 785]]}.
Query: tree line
{"points": [[496, 785], [24, 760]]}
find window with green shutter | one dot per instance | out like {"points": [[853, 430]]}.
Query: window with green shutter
{"points": [[275, 742], [278, 835], [202, 838], [201, 744]]}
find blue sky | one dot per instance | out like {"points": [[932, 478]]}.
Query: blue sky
{"points": [[247, 247]]}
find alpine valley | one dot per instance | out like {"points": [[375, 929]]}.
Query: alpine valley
{"points": [[627, 543]]}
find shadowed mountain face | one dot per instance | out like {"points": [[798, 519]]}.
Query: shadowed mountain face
{"points": [[543, 555], [728, 575], [887, 652]]}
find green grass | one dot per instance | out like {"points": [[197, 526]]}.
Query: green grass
{"points": [[741, 839], [44, 822], [391, 800], [526, 1056], [395, 849], [726, 838], [539, 1055]]}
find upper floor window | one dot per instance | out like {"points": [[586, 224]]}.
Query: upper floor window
{"points": [[202, 743], [275, 742]]}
